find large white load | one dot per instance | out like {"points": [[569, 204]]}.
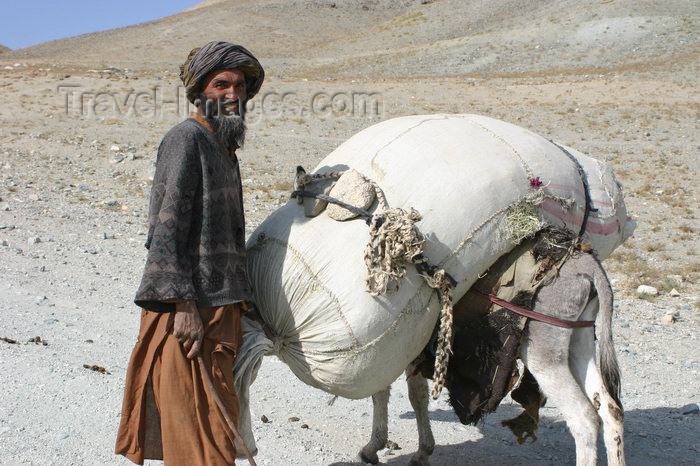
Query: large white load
{"points": [[465, 174]]}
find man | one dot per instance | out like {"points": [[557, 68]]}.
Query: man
{"points": [[194, 287]]}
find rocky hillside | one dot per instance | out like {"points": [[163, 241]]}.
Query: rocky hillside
{"points": [[400, 38]]}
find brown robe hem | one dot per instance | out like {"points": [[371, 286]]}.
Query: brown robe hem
{"points": [[168, 411]]}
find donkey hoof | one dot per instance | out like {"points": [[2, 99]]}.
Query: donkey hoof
{"points": [[369, 456]]}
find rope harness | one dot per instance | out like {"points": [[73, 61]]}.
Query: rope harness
{"points": [[533, 314], [586, 191]]}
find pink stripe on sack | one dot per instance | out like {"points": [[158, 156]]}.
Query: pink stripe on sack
{"points": [[593, 227]]}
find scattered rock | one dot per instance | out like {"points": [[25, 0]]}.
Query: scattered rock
{"points": [[107, 236], [7, 227], [115, 148], [674, 293], [304, 426], [38, 341], [668, 319], [690, 409], [4, 243], [50, 321], [264, 419], [34, 240], [643, 434], [96, 368], [294, 419], [646, 289], [9, 340], [4, 207]]}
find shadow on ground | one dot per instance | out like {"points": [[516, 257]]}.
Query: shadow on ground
{"points": [[668, 437]]}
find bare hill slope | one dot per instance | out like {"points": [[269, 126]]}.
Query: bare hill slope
{"points": [[398, 38]]}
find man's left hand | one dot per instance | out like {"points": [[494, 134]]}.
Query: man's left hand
{"points": [[188, 328]]}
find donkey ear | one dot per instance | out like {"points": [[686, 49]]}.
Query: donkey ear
{"points": [[300, 182]]}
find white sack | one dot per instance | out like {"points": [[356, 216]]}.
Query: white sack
{"points": [[462, 173]]}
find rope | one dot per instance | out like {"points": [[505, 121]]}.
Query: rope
{"points": [[333, 200], [302, 179], [586, 191], [563, 323], [394, 241], [441, 282]]}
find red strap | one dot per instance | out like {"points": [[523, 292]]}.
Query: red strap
{"points": [[535, 315]]}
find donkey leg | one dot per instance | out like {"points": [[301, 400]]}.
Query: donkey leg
{"points": [[545, 354], [583, 364], [418, 396], [380, 429]]}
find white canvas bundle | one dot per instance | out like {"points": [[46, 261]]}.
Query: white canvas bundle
{"points": [[464, 174]]}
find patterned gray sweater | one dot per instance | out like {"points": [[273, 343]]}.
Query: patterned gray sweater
{"points": [[196, 234]]}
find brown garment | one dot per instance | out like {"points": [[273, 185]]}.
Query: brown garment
{"points": [[168, 411]]}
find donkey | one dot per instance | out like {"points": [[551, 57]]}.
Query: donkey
{"points": [[562, 362]]}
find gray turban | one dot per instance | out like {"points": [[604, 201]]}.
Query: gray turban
{"points": [[218, 55]]}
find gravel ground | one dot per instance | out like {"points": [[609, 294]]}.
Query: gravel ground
{"points": [[73, 200]]}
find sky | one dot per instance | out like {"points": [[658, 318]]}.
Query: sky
{"points": [[24, 24]]}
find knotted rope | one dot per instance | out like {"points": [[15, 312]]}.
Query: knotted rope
{"points": [[444, 284], [394, 241]]}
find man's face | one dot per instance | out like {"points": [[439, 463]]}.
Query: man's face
{"points": [[227, 89]]}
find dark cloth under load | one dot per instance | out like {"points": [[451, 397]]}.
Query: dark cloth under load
{"points": [[485, 345], [196, 234], [220, 55]]}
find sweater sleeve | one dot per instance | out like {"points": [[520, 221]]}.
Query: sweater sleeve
{"points": [[169, 267]]}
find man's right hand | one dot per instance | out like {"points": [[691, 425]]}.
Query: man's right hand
{"points": [[188, 328]]}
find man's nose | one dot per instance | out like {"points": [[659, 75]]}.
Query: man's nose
{"points": [[231, 94]]}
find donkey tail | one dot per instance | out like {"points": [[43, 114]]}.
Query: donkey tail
{"points": [[608, 360]]}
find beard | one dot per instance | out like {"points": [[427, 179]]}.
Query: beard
{"points": [[229, 129]]}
